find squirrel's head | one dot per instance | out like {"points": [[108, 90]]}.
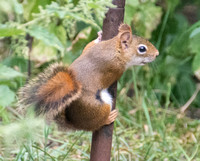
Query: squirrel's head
{"points": [[135, 50]]}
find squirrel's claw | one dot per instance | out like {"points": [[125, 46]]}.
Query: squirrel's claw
{"points": [[112, 117]]}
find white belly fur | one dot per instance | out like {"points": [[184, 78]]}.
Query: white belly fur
{"points": [[106, 97]]}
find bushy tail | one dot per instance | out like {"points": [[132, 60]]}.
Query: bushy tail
{"points": [[51, 92]]}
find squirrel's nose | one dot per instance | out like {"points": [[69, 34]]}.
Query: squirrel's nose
{"points": [[156, 53]]}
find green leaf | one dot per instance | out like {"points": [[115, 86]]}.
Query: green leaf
{"points": [[145, 23], [194, 44], [93, 5], [11, 84], [43, 53], [172, 4], [6, 7], [196, 63], [176, 31], [48, 38], [195, 32], [129, 12], [131, 8], [18, 7], [6, 96], [16, 61], [6, 30], [32, 6], [134, 3], [8, 73], [59, 31]]}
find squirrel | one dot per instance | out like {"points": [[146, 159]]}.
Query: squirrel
{"points": [[78, 97]]}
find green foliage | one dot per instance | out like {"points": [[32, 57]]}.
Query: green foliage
{"points": [[41, 18], [194, 47], [145, 16], [21, 131], [6, 30], [48, 38], [6, 96], [149, 126], [8, 73], [33, 7], [7, 76]]}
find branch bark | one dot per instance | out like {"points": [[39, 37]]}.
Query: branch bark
{"points": [[102, 139]]}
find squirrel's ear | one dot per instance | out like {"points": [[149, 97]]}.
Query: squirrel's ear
{"points": [[125, 39], [125, 36], [124, 27]]}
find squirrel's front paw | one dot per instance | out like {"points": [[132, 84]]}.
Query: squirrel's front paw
{"points": [[100, 33], [111, 118]]}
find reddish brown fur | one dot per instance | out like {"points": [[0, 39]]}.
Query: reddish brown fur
{"points": [[57, 87], [96, 69], [91, 119], [109, 68], [92, 43]]}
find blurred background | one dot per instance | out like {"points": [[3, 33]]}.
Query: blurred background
{"points": [[159, 103]]}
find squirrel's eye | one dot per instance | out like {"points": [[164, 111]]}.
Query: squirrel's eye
{"points": [[142, 49]]}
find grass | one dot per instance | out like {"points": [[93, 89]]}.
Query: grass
{"points": [[150, 126], [144, 130], [173, 138]]}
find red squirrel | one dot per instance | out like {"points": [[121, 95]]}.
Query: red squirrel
{"points": [[77, 96]]}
